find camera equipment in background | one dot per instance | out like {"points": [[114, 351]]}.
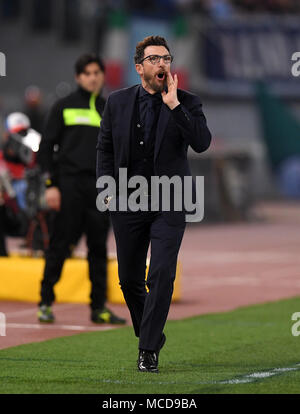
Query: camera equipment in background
{"points": [[20, 148]]}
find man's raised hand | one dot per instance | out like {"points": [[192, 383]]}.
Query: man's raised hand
{"points": [[170, 98]]}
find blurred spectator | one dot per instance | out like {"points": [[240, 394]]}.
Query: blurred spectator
{"points": [[155, 8], [215, 8], [219, 9], [289, 177], [71, 20], [33, 107], [101, 18], [15, 123], [273, 6], [10, 8], [7, 205], [18, 193], [18, 152], [3, 251], [41, 14]]}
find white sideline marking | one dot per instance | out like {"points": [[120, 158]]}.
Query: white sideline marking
{"points": [[29, 311], [252, 377], [22, 312], [242, 380], [63, 327]]}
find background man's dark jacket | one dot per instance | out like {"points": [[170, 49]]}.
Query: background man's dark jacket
{"points": [[72, 126]]}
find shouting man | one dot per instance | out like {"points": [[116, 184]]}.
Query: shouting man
{"points": [[146, 129]]}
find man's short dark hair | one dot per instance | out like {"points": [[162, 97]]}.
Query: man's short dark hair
{"points": [[85, 60], [148, 41]]}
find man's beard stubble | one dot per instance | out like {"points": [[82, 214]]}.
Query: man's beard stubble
{"points": [[157, 87]]}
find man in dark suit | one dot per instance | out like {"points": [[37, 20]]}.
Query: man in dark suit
{"points": [[146, 130]]}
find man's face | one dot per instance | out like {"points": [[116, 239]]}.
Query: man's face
{"points": [[149, 72], [92, 79]]}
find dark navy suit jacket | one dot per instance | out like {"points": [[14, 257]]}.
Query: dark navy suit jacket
{"points": [[176, 130]]}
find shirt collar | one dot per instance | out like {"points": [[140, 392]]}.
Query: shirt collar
{"points": [[84, 92], [144, 93]]}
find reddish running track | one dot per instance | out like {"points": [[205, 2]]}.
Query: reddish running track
{"points": [[224, 266]]}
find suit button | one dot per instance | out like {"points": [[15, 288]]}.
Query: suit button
{"points": [[138, 125], [141, 142], [144, 159]]}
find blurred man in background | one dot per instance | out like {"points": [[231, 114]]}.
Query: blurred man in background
{"points": [[33, 107], [67, 158]]}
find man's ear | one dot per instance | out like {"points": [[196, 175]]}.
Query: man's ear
{"points": [[139, 69]]}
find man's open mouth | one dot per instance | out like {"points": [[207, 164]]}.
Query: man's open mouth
{"points": [[161, 76]]}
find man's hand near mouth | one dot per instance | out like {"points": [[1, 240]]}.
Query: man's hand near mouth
{"points": [[170, 98]]}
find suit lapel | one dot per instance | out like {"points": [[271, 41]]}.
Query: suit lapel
{"points": [[127, 115], [163, 120]]}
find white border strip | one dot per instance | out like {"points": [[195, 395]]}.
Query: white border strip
{"points": [[55, 326]]}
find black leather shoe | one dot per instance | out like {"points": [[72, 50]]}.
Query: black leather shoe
{"points": [[148, 361]]}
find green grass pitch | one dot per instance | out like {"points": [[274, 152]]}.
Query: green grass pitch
{"points": [[249, 350]]}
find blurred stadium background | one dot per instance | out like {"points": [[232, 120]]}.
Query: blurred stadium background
{"points": [[235, 54]]}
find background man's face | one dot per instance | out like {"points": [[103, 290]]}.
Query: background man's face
{"points": [[92, 79], [149, 72]]}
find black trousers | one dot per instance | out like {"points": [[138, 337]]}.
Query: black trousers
{"points": [[133, 233], [78, 214]]}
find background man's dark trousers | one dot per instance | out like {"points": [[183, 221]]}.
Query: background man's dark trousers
{"points": [[133, 233], [78, 214]]}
